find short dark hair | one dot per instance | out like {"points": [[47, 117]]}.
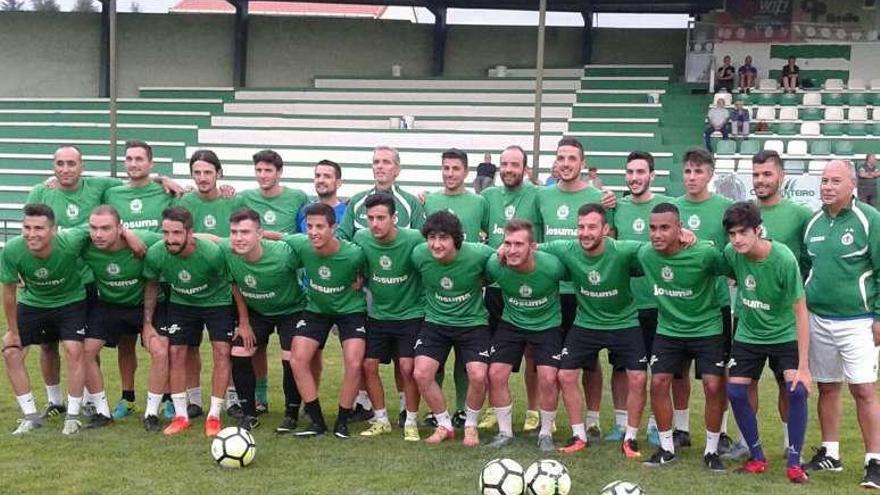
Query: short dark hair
{"points": [[39, 210], [642, 155], [455, 154], [698, 156], [381, 199], [588, 208], [742, 214], [269, 156], [666, 208], [178, 214], [443, 222], [136, 143], [521, 151], [571, 141], [331, 163], [322, 210], [520, 224], [767, 156], [106, 210], [242, 214], [205, 156]]}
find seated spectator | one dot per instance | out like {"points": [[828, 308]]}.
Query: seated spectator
{"points": [[867, 185], [485, 174], [739, 120], [724, 76], [790, 76], [719, 120], [747, 74]]}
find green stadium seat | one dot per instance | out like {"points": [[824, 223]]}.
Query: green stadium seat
{"points": [[790, 99], [810, 113], [834, 99], [875, 129], [746, 98], [832, 129], [856, 129], [820, 147], [794, 166], [873, 99], [765, 99], [842, 147], [787, 128], [749, 147], [725, 147], [857, 99]]}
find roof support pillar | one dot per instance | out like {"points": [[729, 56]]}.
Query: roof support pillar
{"points": [[587, 36], [439, 47], [240, 43]]}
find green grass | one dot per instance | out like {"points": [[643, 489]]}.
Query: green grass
{"points": [[123, 458]]}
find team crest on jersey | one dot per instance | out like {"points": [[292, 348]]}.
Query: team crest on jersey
{"points": [[72, 211], [847, 238], [694, 221], [750, 282], [41, 273], [638, 226], [113, 269], [762, 232], [324, 272], [666, 274], [562, 212], [594, 277], [446, 283], [209, 222], [509, 212], [136, 205], [525, 291], [269, 217], [385, 262], [184, 276], [250, 281]]}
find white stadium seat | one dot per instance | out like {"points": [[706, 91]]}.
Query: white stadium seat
{"points": [[812, 99], [766, 113], [834, 84], [768, 85], [834, 113], [724, 165], [724, 95], [775, 144], [816, 166], [788, 113], [875, 84], [858, 114], [856, 85], [744, 166], [876, 114], [810, 129], [797, 147]]}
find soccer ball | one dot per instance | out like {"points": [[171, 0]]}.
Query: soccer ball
{"points": [[502, 477], [547, 477], [620, 487], [233, 447]]}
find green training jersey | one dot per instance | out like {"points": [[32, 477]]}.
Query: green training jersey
{"points": [[471, 209], [391, 277], [531, 299], [51, 282], [267, 285], [845, 257], [767, 289], [684, 285], [785, 222], [72, 208], [704, 219], [119, 275], [410, 212], [601, 283], [140, 207], [210, 216], [454, 290], [277, 213], [200, 279], [505, 204], [632, 221], [331, 278]]}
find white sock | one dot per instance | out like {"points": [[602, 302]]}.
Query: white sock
{"points": [[231, 397], [724, 416], [832, 449], [53, 394], [631, 433], [401, 397], [381, 416], [652, 422], [443, 420], [73, 405], [620, 418], [412, 418], [681, 418], [153, 403], [547, 419], [363, 399], [87, 398], [712, 442], [194, 396], [471, 416], [592, 418], [785, 441], [27, 404], [505, 420], [101, 405], [216, 406], [580, 431], [179, 401], [870, 456], [666, 442]]}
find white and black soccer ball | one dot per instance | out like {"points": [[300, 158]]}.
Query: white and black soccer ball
{"points": [[620, 487], [502, 477], [547, 477], [233, 447]]}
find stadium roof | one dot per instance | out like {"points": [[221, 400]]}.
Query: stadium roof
{"points": [[596, 6], [280, 8]]}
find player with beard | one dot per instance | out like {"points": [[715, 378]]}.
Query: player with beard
{"points": [[327, 181]]}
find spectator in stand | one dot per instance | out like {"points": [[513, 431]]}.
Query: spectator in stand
{"points": [[791, 76], [554, 176], [719, 120], [867, 186], [747, 75], [739, 119], [593, 178], [724, 76], [485, 174]]}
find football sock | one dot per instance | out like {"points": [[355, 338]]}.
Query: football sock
{"points": [[101, 405], [216, 406], [73, 405], [712, 439], [245, 384], [231, 396], [27, 404], [631, 433], [401, 398], [343, 415], [261, 393], [579, 431], [505, 420], [412, 418], [724, 416], [592, 418], [681, 418], [620, 418], [53, 394], [459, 374], [128, 395], [471, 416], [666, 442], [194, 396], [292, 399], [738, 394], [381, 416], [443, 420], [363, 398], [797, 423], [313, 411], [180, 405], [785, 436], [153, 403], [547, 419], [832, 449]]}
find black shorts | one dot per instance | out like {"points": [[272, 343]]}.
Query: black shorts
{"points": [[109, 322], [470, 343], [263, 326], [727, 330], [317, 326], [185, 323], [648, 322], [47, 325], [747, 360], [509, 344], [582, 346], [495, 306], [387, 339], [670, 353], [569, 311]]}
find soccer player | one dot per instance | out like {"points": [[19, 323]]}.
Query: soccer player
{"points": [[529, 282], [455, 316], [688, 327], [772, 326], [265, 272], [843, 242], [201, 296], [333, 268], [327, 181], [631, 218], [606, 318], [397, 310], [50, 307]]}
